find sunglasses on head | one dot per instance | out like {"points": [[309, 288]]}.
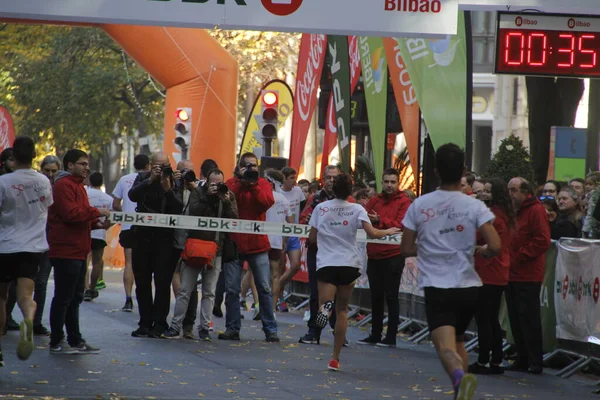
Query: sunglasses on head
{"points": [[542, 198]]}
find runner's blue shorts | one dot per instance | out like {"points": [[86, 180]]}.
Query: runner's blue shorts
{"points": [[293, 243]]}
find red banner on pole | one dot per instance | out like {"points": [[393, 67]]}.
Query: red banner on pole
{"points": [[330, 140], [7, 131], [310, 64], [406, 99]]}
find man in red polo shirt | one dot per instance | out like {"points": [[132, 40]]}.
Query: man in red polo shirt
{"points": [[385, 265]]}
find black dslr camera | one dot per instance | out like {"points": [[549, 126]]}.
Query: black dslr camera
{"points": [[222, 188], [187, 176], [250, 175], [166, 170]]}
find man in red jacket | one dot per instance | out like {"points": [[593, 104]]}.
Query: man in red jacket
{"points": [[527, 264], [385, 264], [70, 223], [254, 196]]}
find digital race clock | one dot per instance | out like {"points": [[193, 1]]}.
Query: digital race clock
{"points": [[547, 44]]}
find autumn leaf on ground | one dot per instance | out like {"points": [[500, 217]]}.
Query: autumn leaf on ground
{"points": [[143, 364], [41, 382], [201, 395], [231, 391]]}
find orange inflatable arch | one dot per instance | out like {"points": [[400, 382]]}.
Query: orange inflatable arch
{"points": [[197, 73]]}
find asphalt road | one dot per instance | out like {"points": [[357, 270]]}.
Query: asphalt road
{"points": [[132, 368]]}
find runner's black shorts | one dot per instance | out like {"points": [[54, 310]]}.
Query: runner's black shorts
{"points": [[338, 276], [450, 307], [19, 265], [98, 244], [127, 239]]}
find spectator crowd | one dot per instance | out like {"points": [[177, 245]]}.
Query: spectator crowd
{"points": [[56, 219]]}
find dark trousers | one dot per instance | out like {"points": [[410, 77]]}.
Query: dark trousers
{"points": [[69, 284], [41, 283], [12, 300], [152, 259], [384, 283], [220, 290], [523, 304], [313, 285], [190, 315], [487, 318]]}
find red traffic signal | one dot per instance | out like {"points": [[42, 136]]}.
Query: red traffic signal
{"points": [[269, 98], [182, 114]]}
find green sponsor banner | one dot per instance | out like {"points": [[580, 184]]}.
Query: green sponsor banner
{"points": [[438, 72], [375, 79], [548, 312], [340, 75]]}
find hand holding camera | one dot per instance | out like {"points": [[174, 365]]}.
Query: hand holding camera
{"points": [[156, 173], [249, 173]]}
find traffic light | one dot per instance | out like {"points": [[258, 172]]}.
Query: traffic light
{"points": [[269, 123], [183, 130]]}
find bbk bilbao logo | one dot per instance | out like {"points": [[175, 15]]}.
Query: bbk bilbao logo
{"points": [[580, 289], [520, 21], [281, 7], [573, 23]]}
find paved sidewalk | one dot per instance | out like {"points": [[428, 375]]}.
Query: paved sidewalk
{"points": [[130, 368]]}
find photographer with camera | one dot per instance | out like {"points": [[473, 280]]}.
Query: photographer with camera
{"points": [[213, 199], [254, 197], [154, 193], [183, 187]]}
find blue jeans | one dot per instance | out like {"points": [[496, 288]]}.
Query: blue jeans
{"points": [[232, 272]]}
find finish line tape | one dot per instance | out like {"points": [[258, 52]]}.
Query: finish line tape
{"points": [[229, 225]]}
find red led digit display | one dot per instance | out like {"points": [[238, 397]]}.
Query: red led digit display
{"points": [[537, 45]]}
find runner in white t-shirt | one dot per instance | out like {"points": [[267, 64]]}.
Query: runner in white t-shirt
{"points": [[282, 213], [99, 200], [440, 228], [294, 196], [141, 163], [25, 196], [334, 226]]}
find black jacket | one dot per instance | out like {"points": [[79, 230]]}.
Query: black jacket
{"points": [[152, 198]]}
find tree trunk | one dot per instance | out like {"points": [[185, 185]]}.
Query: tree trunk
{"points": [[552, 102], [111, 161]]}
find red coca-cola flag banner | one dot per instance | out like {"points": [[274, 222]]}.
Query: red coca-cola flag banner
{"points": [[310, 64], [7, 131], [330, 140]]}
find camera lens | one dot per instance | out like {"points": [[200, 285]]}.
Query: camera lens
{"points": [[222, 188], [189, 176]]}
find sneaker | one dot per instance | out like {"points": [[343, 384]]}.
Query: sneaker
{"points": [[84, 348], [229, 335], [87, 295], [536, 369], [387, 343], [211, 327], [310, 338], [480, 369], [323, 315], [334, 365], [171, 333], [369, 340], [204, 335], [217, 312], [142, 331], [243, 305], [466, 388], [128, 307], [189, 333], [40, 330], [256, 316], [63, 348], [271, 337], [25, 345], [100, 284], [283, 307], [496, 369]]}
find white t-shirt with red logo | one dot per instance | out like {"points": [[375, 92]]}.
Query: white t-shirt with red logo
{"points": [[99, 199], [294, 197], [121, 191], [278, 213], [337, 222], [25, 196], [446, 224]]}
